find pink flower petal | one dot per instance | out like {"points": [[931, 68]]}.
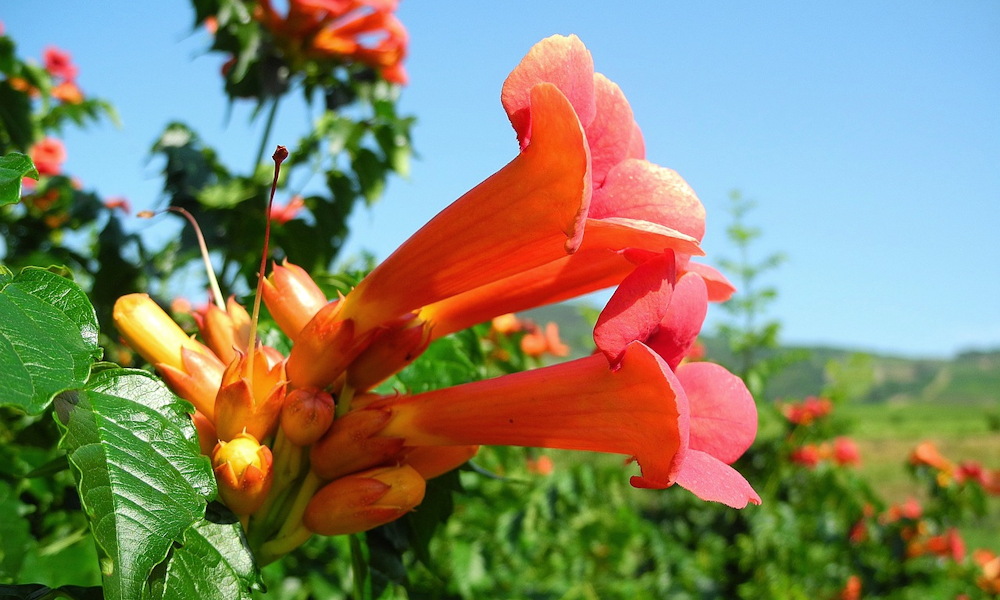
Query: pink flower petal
{"points": [[610, 133], [634, 311], [711, 479], [723, 413], [719, 288], [636, 144], [563, 61], [680, 327], [638, 189]]}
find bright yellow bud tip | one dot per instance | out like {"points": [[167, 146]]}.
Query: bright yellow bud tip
{"points": [[365, 500], [152, 333], [243, 472]]}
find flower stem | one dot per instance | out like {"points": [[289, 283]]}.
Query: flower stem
{"points": [[275, 549], [344, 399], [293, 521]]}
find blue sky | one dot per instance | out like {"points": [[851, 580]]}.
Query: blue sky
{"points": [[867, 132]]}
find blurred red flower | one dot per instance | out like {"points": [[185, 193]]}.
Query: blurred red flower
{"points": [[845, 452], [284, 214], [48, 155], [807, 411], [808, 455], [59, 64]]}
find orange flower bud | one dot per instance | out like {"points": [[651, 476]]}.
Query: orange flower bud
{"points": [[323, 349], [207, 437], [364, 500], [197, 381], [431, 461], [243, 471], [292, 297], [351, 444], [251, 405], [225, 331], [152, 333], [306, 415]]}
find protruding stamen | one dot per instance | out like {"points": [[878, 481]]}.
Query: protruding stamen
{"points": [[279, 156], [209, 270]]}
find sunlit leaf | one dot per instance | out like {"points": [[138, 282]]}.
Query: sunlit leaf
{"points": [[141, 479], [212, 563], [13, 168], [48, 337]]}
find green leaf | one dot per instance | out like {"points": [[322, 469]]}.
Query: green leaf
{"points": [[14, 533], [48, 337], [13, 167], [212, 563], [227, 194], [15, 115], [141, 479]]}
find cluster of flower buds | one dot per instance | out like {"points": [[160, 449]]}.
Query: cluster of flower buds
{"points": [[579, 209]]}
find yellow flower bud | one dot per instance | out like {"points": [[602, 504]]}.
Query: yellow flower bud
{"points": [[151, 332], [243, 472]]}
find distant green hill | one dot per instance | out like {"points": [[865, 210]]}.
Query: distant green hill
{"points": [[968, 378]]}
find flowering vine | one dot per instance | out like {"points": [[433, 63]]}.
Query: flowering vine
{"points": [[305, 444]]}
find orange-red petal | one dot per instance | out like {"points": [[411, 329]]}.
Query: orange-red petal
{"points": [[639, 410], [529, 213]]}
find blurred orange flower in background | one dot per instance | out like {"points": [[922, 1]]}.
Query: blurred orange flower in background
{"points": [[364, 31]]}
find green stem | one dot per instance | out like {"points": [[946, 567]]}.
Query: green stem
{"points": [[294, 519], [276, 548], [344, 399], [359, 564], [287, 467]]}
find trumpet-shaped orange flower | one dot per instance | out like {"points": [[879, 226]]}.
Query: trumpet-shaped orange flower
{"points": [[579, 179], [578, 209], [639, 410], [527, 214], [635, 204]]}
